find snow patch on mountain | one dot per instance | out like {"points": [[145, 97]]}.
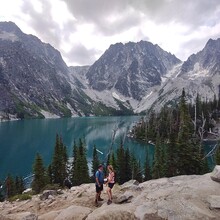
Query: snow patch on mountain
{"points": [[8, 36], [115, 95], [148, 95], [197, 72]]}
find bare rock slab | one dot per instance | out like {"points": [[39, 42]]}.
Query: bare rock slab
{"points": [[215, 175], [214, 202], [113, 212], [74, 213]]}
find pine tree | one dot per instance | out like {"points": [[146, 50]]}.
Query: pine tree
{"points": [[198, 106], [163, 123], [59, 162], [204, 166], [10, 186], [157, 171], [136, 172], [151, 127], [217, 156], [19, 185], [187, 158], [50, 174], [121, 164], [84, 170], [128, 173], [39, 180], [80, 171], [139, 176], [74, 171], [95, 160], [56, 162], [147, 170], [171, 146], [1, 193], [64, 162], [171, 156]]}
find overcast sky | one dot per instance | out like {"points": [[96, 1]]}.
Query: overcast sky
{"points": [[83, 29]]}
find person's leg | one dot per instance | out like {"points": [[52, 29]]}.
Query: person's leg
{"points": [[97, 195], [101, 188], [109, 195], [110, 186], [108, 192], [100, 199]]}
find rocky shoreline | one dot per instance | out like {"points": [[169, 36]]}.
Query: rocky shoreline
{"points": [[177, 198]]}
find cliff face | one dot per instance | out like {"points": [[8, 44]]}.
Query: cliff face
{"points": [[183, 197]]}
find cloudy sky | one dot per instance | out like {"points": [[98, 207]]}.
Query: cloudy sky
{"points": [[83, 29]]}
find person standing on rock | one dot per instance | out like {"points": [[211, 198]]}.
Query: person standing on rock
{"points": [[99, 180], [110, 182]]}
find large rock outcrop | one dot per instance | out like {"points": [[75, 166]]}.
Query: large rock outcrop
{"points": [[182, 197]]}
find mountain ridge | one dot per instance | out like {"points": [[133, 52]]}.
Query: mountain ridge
{"points": [[199, 74], [128, 78]]}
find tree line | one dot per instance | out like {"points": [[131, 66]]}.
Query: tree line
{"points": [[11, 186], [76, 171], [177, 134]]}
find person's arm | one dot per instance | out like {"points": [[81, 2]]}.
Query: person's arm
{"points": [[97, 181], [97, 178]]}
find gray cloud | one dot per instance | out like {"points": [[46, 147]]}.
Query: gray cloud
{"points": [[45, 26], [80, 54], [42, 23], [192, 13], [110, 18], [195, 45], [100, 12]]}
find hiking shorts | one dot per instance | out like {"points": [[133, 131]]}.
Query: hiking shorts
{"points": [[110, 185], [99, 188]]}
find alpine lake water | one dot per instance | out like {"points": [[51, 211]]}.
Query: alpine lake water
{"points": [[21, 140]]}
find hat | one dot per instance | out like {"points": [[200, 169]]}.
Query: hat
{"points": [[100, 165]]}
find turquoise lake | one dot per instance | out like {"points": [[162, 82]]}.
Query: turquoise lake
{"points": [[21, 140]]}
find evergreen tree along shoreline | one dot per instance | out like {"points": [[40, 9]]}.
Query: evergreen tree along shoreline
{"points": [[178, 135]]}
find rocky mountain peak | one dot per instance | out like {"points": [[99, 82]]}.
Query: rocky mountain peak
{"points": [[9, 27], [213, 44], [130, 68], [208, 58]]}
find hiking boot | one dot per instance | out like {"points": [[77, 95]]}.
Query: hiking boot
{"points": [[100, 199], [96, 203], [109, 202]]}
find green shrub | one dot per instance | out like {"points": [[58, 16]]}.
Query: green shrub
{"points": [[20, 197], [51, 187]]}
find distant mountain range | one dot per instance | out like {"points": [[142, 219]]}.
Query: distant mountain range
{"points": [[128, 78]]}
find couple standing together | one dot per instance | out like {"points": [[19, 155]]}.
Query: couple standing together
{"points": [[99, 181]]}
